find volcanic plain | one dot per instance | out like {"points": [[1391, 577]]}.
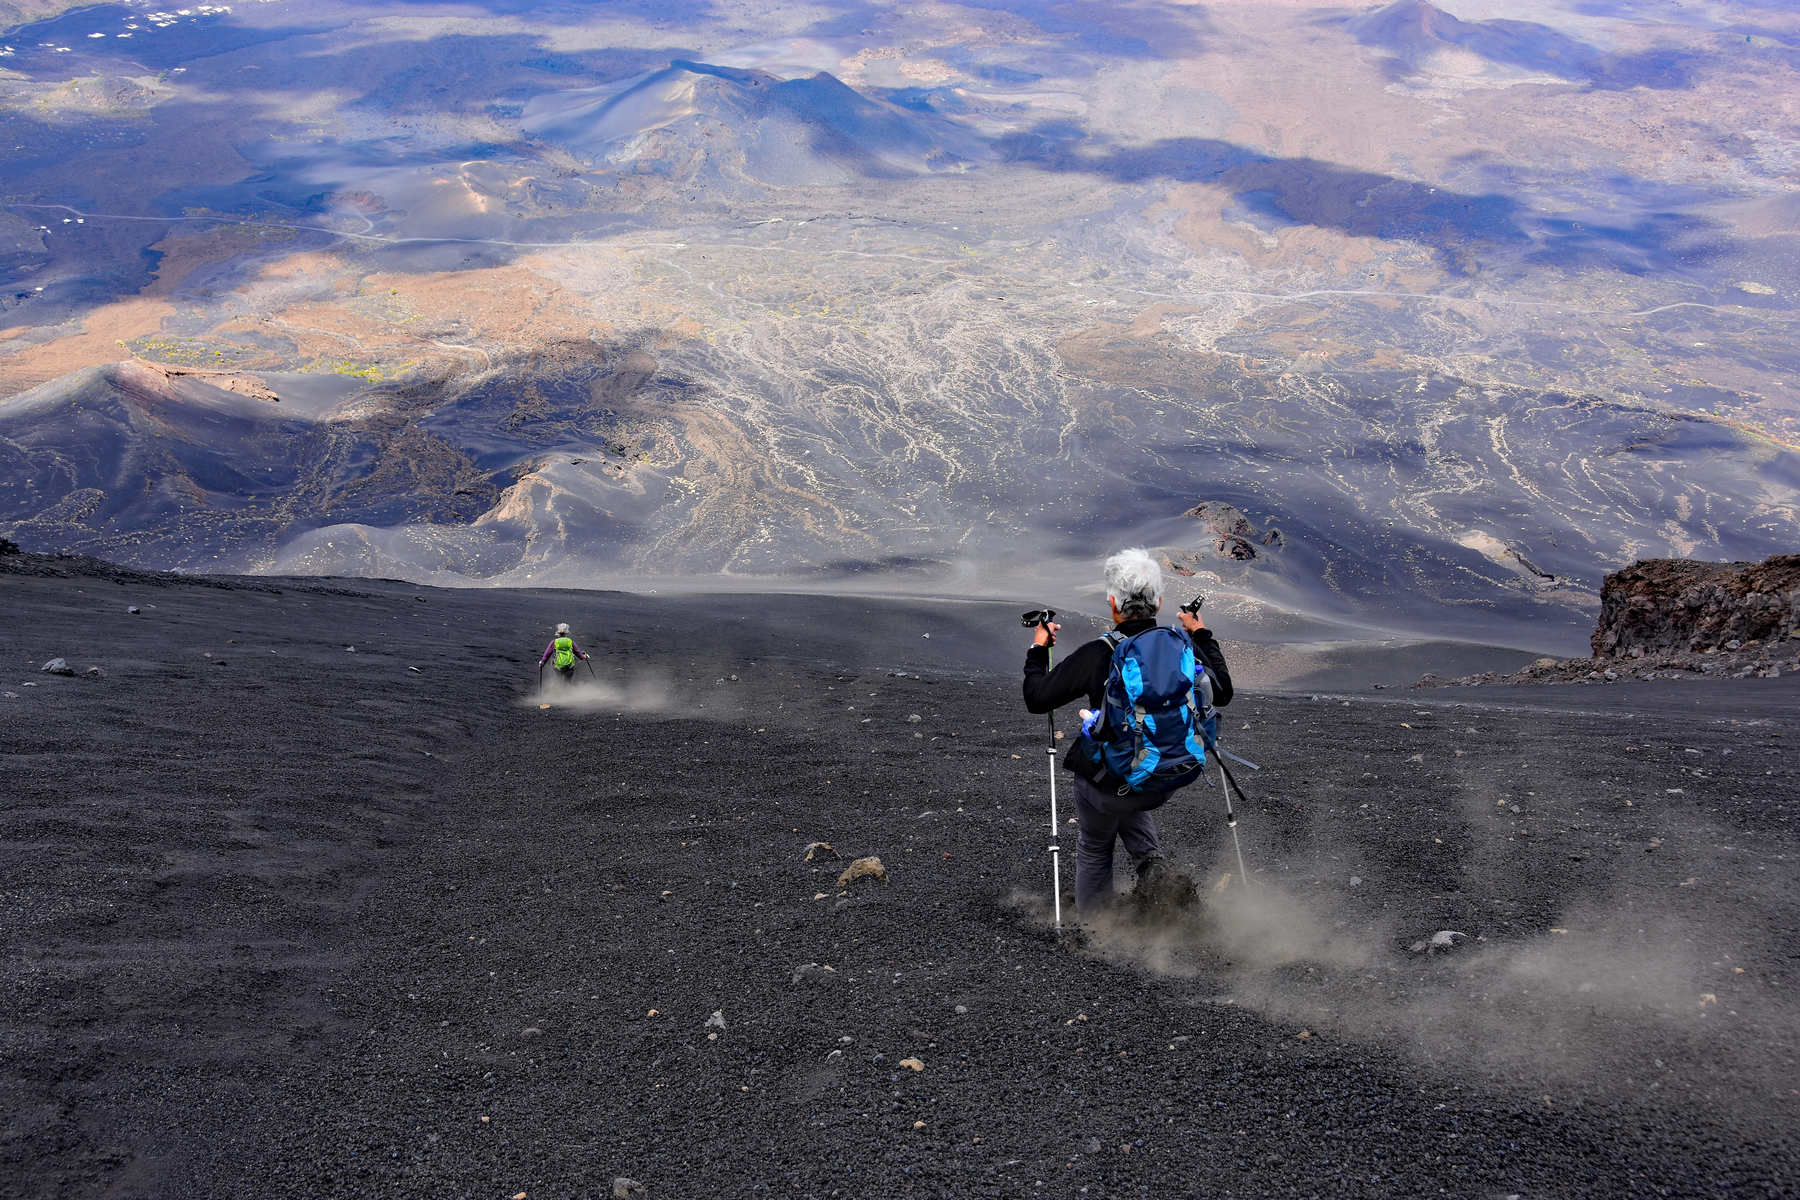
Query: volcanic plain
{"points": [[1478, 306], [310, 892]]}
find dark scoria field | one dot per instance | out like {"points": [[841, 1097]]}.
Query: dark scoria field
{"points": [[281, 919]]}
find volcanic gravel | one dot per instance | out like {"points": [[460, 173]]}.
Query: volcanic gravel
{"points": [[286, 918]]}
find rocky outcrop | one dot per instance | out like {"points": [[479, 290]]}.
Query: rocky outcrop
{"points": [[240, 382], [1231, 536], [1669, 618], [1671, 604]]}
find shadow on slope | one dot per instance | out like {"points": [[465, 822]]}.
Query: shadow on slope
{"points": [[1467, 230], [176, 467], [1413, 31], [146, 157]]}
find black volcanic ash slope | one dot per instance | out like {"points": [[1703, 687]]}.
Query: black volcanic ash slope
{"points": [[292, 920], [173, 466], [179, 469]]}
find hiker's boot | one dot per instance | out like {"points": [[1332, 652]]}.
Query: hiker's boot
{"points": [[1150, 871], [1161, 890]]}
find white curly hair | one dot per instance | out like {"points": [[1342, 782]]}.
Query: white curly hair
{"points": [[1134, 582]]}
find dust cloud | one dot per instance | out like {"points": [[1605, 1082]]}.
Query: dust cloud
{"points": [[1615, 996], [647, 693]]}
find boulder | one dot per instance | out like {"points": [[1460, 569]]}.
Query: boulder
{"points": [[1443, 939], [57, 666], [868, 867]]}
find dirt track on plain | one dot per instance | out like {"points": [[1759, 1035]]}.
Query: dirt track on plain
{"points": [[292, 920]]}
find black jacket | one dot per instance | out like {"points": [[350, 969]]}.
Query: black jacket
{"points": [[1084, 672]]}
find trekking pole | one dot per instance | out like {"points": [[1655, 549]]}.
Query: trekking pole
{"points": [[591, 673], [1226, 783], [1032, 620], [540, 678], [1055, 849], [1231, 822]]}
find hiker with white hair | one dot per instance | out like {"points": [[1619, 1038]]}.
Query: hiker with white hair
{"points": [[1126, 762], [561, 654]]}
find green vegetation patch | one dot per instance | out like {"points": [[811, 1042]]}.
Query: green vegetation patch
{"points": [[186, 352], [371, 372]]}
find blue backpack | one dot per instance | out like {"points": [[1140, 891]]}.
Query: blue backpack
{"points": [[1156, 717]]}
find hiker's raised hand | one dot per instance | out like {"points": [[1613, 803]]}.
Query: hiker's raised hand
{"points": [[1045, 635], [1190, 621]]}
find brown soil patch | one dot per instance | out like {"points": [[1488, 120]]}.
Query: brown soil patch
{"points": [[104, 331], [101, 340]]}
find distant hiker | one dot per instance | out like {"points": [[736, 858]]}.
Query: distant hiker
{"points": [[1151, 673], [561, 654]]}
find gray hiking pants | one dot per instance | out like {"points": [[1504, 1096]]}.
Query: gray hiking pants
{"points": [[1100, 817]]}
